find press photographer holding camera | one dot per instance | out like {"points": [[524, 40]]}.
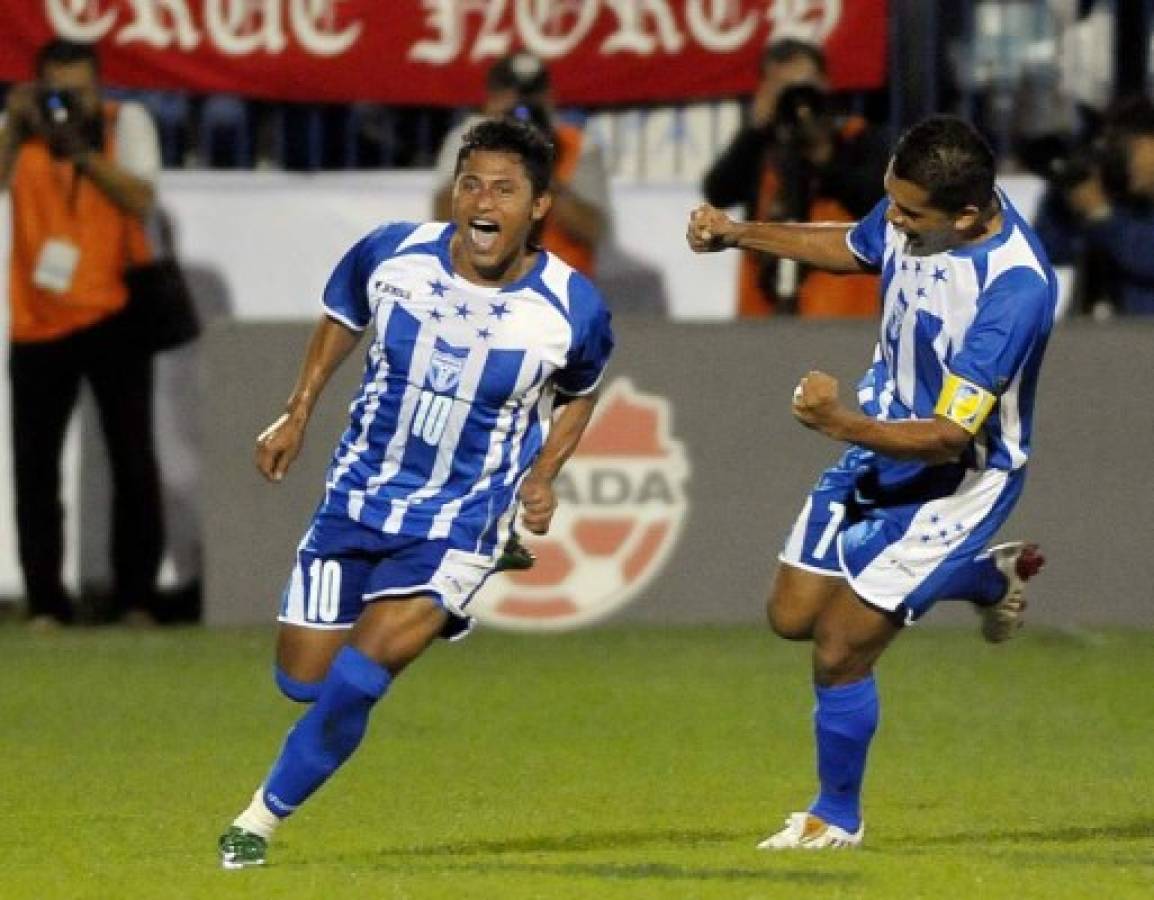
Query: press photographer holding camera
{"points": [[797, 160], [519, 85], [80, 169], [1098, 212]]}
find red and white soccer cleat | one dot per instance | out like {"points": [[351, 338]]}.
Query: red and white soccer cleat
{"points": [[1019, 562]]}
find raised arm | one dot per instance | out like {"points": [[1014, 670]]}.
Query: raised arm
{"points": [[820, 245], [278, 445]]}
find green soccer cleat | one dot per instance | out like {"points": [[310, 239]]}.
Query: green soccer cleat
{"points": [[240, 849]]}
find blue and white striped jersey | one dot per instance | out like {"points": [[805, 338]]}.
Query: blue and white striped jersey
{"points": [[981, 313], [458, 386]]}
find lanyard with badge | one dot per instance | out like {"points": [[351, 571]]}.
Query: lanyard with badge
{"points": [[59, 256]]}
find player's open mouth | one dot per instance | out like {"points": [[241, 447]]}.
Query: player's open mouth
{"points": [[483, 234]]}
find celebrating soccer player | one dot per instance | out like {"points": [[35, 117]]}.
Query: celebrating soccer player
{"points": [[475, 331], [937, 455]]}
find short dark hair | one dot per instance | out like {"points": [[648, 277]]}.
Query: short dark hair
{"points": [[513, 136], [947, 158], [788, 49], [61, 52], [521, 72]]}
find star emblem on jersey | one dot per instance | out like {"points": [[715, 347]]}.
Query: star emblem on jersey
{"points": [[922, 293], [484, 333], [939, 274], [438, 288], [499, 310], [462, 310], [436, 315]]}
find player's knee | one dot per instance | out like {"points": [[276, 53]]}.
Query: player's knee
{"points": [[299, 691], [784, 625], [836, 662], [786, 620]]}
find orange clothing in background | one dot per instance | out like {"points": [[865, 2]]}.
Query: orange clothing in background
{"points": [[51, 200], [568, 140], [820, 294]]}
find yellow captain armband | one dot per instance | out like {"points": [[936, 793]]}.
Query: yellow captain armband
{"points": [[964, 403]]}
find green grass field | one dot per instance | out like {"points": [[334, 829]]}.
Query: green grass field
{"points": [[611, 763]]}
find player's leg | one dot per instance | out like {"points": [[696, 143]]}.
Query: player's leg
{"points": [[952, 530], [849, 637], [810, 572], [304, 656], [394, 628], [797, 598], [995, 581]]}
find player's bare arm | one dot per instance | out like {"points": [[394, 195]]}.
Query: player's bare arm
{"points": [[538, 501], [278, 445], [820, 245], [816, 405]]}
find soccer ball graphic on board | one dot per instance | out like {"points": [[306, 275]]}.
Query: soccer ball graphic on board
{"points": [[621, 506]]}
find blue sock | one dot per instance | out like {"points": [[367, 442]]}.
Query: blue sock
{"points": [[326, 735], [978, 581], [844, 721], [300, 691]]}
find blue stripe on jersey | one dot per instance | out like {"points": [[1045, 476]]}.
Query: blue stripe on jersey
{"points": [[364, 444], [474, 474], [930, 377], [981, 269], [542, 288], [467, 468]]}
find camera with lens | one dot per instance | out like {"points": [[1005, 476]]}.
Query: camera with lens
{"points": [[58, 108], [799, 106], [64, 122]]}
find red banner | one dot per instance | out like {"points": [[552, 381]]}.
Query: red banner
{"points": [[437, 51]]}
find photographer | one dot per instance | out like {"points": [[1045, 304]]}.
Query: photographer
{"points": [[80, 170], [1098, 213], [796, 160], [518, 85]]}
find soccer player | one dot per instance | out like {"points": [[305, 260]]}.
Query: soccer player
{"points": [[937, 455], [474, 333]]}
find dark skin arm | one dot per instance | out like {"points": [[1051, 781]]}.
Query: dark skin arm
{"points": [[819, 245], [538, 500], [278, 445], [816, 405]]}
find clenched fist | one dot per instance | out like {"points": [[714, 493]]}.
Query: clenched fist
{"points": [[710, 230], [815, 400]]}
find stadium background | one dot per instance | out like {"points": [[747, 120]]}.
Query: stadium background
{"points": [[260, 238]]}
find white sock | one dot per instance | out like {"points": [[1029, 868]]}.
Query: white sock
{"points": [[257, 818]]}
